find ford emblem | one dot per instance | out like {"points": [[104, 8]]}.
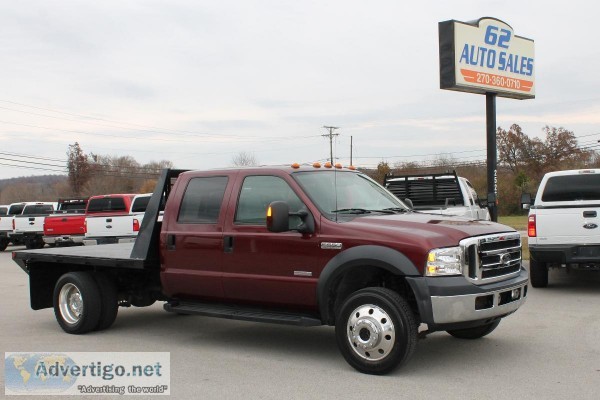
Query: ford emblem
{"points": [[590, 226]]}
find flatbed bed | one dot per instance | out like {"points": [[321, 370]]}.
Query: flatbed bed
{"points": [[109, 255]]}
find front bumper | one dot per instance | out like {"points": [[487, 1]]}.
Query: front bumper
{"points": [[566, 254], [453, 302]]}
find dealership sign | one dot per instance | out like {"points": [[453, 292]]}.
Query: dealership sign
{"points": [[485, 56]]}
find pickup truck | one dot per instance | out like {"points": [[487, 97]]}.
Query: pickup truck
{"points": [[297, 245], [3, 235], [120, 225], [6, 226], [445, 193], [28, 227], [563, 223], [66, 226]]}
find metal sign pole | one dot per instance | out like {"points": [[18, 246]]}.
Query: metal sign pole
{"points": [[492, 172]]}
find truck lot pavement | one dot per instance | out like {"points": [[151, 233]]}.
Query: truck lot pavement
{"points": [[549, 349]]}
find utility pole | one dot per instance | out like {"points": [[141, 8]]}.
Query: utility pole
{"points": [[331, 135], [351, 150]]}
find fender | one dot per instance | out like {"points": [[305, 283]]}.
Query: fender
{"points": [[369, 255]]}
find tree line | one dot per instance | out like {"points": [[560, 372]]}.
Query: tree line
{"points": [[522, 162]]}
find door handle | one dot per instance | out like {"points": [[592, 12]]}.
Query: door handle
{"points": [[228, 244], [171, 242], [589, 214]]}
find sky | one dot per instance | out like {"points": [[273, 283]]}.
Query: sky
{"points": [[198, 82]]}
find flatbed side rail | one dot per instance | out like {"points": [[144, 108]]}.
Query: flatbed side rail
{"points": [[146, 244]]}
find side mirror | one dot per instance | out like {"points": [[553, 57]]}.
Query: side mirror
{"points": [[409, 203], [526, 201], [278, 218]]}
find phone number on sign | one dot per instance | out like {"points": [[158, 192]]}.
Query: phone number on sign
{"points": [[496, 80]]}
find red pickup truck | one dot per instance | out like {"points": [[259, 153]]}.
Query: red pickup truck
{"points": [[66, 226], [299, 245]]}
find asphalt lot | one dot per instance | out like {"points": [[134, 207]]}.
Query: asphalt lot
{"points": [[549, 349]]}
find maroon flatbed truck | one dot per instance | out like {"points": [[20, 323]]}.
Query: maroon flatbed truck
{"points": [[299, 245]]}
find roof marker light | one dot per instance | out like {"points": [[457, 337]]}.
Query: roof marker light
{"points": [[295, 165], [338, 165], [317, 165], [327, 165]]}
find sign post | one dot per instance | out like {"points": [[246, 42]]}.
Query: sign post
{"points": [[486, 57]]}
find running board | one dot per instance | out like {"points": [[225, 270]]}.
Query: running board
{"points": [[242, 313]]}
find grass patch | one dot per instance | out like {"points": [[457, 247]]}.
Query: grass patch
{"points": [[518, 222]]}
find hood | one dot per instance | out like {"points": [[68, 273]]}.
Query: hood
{"points": [[427, 229]]}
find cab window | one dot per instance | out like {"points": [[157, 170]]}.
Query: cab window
{"points": [[256, 195], [202, 200]]}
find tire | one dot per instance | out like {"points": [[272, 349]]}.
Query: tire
{"points": [[29, 244], [538, 274], [476, 332], [109, 301], [376, 330], [3, 244], [77, 302]]}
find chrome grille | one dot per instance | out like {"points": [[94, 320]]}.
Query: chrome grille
{"points": [[491, 258]]}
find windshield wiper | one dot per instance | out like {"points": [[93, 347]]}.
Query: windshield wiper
{"points": [[396, 209], [352, 211], [365, 211]]}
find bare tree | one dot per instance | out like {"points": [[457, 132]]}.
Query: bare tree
{"points": [[79, 168], [244, 159]]}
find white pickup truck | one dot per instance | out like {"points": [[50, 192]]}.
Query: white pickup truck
{"points": [[6, 225], [114, 218], [564, 223], [28, 227], [445, 194]]}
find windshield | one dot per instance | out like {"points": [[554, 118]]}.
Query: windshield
{"points": [[339, 193]]}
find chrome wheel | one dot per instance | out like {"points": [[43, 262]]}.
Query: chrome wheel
{"points": [[70, 303], [371, 333]]}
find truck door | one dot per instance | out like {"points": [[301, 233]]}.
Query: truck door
{"points": [[264, 267], [192, 241]]}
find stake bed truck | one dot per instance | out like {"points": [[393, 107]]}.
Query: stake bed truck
{"points": [[299, 245]]}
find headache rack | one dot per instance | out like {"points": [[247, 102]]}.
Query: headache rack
{"points": [[426, 190]]}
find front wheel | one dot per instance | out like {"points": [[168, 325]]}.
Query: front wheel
{"points": [[77, 302], [476, 332], [376, 330]]}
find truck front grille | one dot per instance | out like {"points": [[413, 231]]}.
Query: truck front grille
{"points": [[491, 258]]}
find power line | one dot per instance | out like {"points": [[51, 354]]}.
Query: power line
{"points": [[331, 135]]}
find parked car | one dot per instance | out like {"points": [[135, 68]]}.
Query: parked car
{"points": [[6, 225], [445, 194], [271, 245], [114, 218], [28, 227], [66, 227], [564, 223]]}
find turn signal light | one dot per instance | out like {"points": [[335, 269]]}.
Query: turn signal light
{"points": [[531, 227]]}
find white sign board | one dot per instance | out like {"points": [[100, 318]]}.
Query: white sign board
{"points": [[485, 56]]}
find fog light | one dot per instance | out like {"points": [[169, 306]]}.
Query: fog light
{"points": [[515, 293]]}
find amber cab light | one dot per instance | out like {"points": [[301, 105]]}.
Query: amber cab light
{"points": [[531, 228], [136, 225]]}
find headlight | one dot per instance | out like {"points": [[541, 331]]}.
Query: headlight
{"points": [[443, 262]]}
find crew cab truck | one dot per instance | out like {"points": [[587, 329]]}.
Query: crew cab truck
{"points": [[28, 227], [299, 245], [66, 226], [563, 223], [6, 225], [444, 193], [108, 219]]}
